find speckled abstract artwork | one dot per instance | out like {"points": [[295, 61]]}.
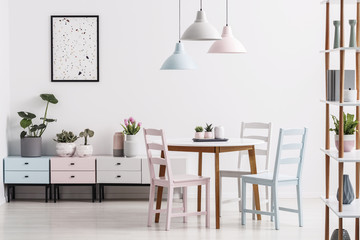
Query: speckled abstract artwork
{"points": [[75, 48]]}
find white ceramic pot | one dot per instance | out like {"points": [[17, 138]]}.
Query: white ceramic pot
{"points": [[208, 135], [65, 149], [131, 146], [219, 132], [84, 150], [199, 135], [349, 142]]}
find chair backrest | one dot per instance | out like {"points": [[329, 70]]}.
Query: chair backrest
{"points": [[159, 147], [294, 150], [260, 131]]}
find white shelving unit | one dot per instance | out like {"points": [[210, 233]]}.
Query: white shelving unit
{"points": [[357, 49], [345, 104], [338, 1], [349, 210], [349, 157]]}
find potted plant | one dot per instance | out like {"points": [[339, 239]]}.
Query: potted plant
{"points": [[199, 132], [349, 131], [208, 131], [85, 150], [131, 145], [31, 135], [65, 146]]}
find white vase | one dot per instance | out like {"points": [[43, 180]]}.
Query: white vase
{"points": [[219, 132], [131, 146], [84, 150], [65, 149]]}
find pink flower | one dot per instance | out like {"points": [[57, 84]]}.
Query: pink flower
{"points": [[126, 122], [139, 124], [131, 119]]}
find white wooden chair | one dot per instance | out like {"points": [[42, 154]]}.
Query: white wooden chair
{"points": [[254, 130], [171, 181], [287, 153]]}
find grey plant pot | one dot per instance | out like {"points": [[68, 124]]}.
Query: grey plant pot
{"points": [[335, 235], [31, 147], [348, 191]]}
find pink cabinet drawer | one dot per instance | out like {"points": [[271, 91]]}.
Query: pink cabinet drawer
{"points": [[72, 177], [72, 164]]}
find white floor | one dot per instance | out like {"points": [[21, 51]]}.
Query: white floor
{"points": [[27, 220]]}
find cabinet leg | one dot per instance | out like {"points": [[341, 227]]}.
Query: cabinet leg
{"points": [[13, 193], [100, 192], [103, 192], [58, 192], [93, 193], [46, 193], [50, 192], [8, 193], [55, 193]]}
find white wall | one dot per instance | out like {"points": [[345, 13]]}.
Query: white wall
{"points": [[4, 89], [280, 79]]}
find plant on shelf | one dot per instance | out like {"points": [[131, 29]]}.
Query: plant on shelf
{"points": [[85, 150], [31, 135], [65, 146], [349, 131], [208, 131], [199, 132], [131, 128]]}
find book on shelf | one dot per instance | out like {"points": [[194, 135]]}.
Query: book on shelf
{"points": [[333, 83]]}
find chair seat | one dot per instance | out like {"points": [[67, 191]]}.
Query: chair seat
{"points": [[185, 179], [237, 172], [267, 177]]}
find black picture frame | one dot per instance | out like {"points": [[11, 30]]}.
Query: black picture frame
{"points": [[52, 17]]}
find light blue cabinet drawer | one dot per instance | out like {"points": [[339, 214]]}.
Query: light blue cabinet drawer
{"points": [[24, 177], [26, 164]]}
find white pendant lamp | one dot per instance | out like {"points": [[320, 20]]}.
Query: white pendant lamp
{"points": [[228, 43], [201, 29], [179, 60]]}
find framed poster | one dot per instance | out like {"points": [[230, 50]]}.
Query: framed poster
{"points": [[75, 48]]}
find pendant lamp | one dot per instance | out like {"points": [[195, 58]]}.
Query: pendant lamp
{"points": [[201, 29], [228, 43], [179, 60]]}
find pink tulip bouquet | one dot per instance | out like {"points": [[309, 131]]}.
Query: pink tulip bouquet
{"points": [[130, 126]]}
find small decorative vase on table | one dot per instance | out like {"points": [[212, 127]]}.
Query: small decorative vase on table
{"points": [[349, 131], [31, 135], [337, 34], [208, 131], [348, 191], [85, 150], [199, 132], [65, 146], [352, 42], [219, 132], [131, 144]]}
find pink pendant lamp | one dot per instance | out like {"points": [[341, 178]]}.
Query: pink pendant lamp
{"points": [[228, 43]]}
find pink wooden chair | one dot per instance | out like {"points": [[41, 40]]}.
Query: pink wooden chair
{"points": [[171, 181]]}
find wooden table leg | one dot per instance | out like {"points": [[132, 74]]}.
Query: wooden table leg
{"points": [[199, 187], [160, 190], [217, 187], [252, 160]]}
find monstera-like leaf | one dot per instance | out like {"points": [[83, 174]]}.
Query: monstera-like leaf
{"points": [[49, 98], [27, 115]]}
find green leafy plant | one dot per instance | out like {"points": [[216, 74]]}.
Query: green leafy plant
{"points": [[65, 137], [87, 133], [199, 129], [208, 128], [130, 126], [36, 130], [349, 124]]}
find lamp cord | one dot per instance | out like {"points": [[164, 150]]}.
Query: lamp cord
{"points": [[179, 20], [227, 12], [201, 5]]}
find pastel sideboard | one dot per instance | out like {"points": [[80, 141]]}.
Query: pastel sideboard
{"points": [[26, 171]]}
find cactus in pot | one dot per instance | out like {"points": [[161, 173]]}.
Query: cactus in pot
{"points": [[208, 131], [65, 146], [199, 132], [85, 150]]}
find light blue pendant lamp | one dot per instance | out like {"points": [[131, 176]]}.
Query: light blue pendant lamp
{"points": [[179, 60]]}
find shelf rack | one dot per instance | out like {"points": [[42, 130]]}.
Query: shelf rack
{"points": [[351, 210]]}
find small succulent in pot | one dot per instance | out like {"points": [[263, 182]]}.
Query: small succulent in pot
{"points": [[65, 146], [85, 150], [208, 131], [349, 131], [199, 132], [31, 135]]}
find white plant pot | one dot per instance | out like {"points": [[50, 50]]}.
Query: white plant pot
{"points": [[65, 149], [208, 135], [84, 150], [199, 135], [131, 146]]}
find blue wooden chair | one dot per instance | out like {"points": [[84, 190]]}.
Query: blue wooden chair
{"points": [[287, 153]]}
